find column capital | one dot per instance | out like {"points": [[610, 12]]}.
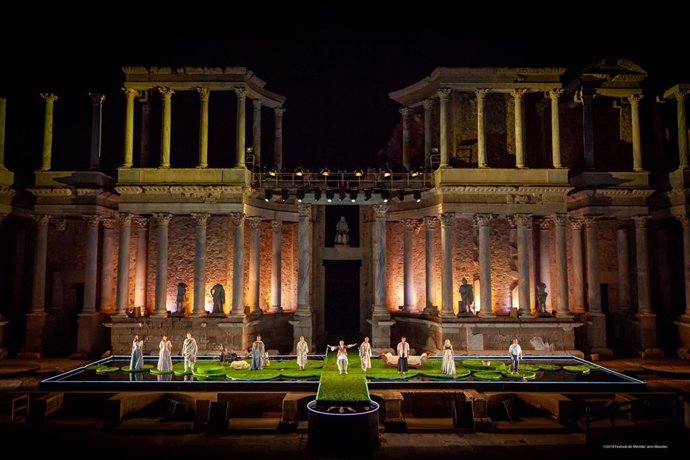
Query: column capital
{"points": [[253, 222], [237, 218], [444, 93], [162, 218], [130, 93], [590, 221], [41, 219], [576, 222], [241, 93], [380, 210], [409, 224], [165, 92], [522, 220], [200, 218], [108, 223], [559, 220], [428, 104], [125, 218], [483, 220], [481, 93], [555, 93], [518, 93], [634, 99], [685, 220], [405, 111], [97, 98], [431, 222], [277, 226], [92, 220], [680, 95], [257, 103], [49, 97], [141, 222], [304, 210], [641, 221], [204, 93], [544, 223], [447, 218], [279, 111], [60, 224]]}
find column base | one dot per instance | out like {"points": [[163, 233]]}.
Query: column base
{"points": [[35, 327], [407, 308], [275, 309], [431, 310], [564, 314]]}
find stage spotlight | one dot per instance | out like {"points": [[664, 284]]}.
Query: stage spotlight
{"points": [[317, 195], [385, 196], [268, 195], [341, 195], [367, 195], [359, 172], [387, 173], [299, 172], [300, 196], [401, 195], [353, 196], [329, 196], [325, 172], [273, 172], [285, 195], [417, 196]]}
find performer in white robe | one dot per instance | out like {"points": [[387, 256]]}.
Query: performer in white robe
{"points": [[189, 352], [403, 353], [302, 349], [165, 355], [258, 354], [342, 354], [448, 364], [137, 361], [365, 354]]}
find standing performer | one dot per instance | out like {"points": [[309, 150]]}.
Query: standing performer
{"points": [[301, 349], [342, 354], [403, 353], [448, 364], [365, 354], [515, 352], [164, 355], [137, 361], [189, 352], [258, 354]]}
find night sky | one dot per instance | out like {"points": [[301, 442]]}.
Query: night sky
{"points": [[335, 72]]}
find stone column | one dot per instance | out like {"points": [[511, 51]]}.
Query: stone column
{"points": [[166, 93], [408, 281], [405, 112], [145, 109], [107, 266], [447, 219], [545, 258], [238, 265], [256, 133], [578, 267], [254, 264], [163, 221], [204, 94], [682, 130], [636, 140], [276, 284], [428, 104], [122, 298], [443, 95], [200, 264], [91, 269], [624, 302], [130, 94], [586, 97], [562, 309], [430, 287], [38, 293], [46, 157], [96, 117], [554, 94], [523, 222], [483, 222], [241, 126], [518, 97], [685, 221], [142, 224], [481, 132], [304, 260], [3, 122], [379, 258], [644, 298], [278, 142], [593, 283]]}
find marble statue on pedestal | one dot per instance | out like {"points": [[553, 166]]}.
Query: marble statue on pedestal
{"points": [[181, 294], [218, 294], [467, 298], [541, 299], [342, 233]]}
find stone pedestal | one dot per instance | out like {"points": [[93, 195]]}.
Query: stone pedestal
{"points": [[592, 336], [302, 325], [647, 328], [89, 336], [33, 344], [380, 330]]}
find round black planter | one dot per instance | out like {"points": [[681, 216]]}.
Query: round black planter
{"points": [[333, 431]]}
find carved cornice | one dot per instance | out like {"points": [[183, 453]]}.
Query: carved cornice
{"points": [[431, 222], [237, 218], [51, 192], [200, 218], [141, 222], [380, 210], [92, 221], [129, 190], [41, 219], [162, 218], [304, 210], [504, 190], [447, 218], [409, 224], [483, 220], [88, 191]]}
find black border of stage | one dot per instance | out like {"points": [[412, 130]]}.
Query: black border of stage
{"points": [[625, 383]]}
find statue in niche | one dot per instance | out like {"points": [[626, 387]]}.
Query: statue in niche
{"points": [[181, 294], [467, 298], [541, 299], [342, 233], [218, 294]]}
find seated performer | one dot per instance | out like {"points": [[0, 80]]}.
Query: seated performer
{"points": [[164, 355], [189, 352], [403, 352], [258, 354], [342, 354], [365, 354], [302, 349], [515, 352], [448, 364], [137, 361]]}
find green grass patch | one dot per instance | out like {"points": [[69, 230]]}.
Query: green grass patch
{"points": [[520, 375], [94, 367], [301, 375], [157, 372], [292, 365], [248, 374], [485, 366], [484, 375], [579, 369], [460, 373], [144, 368], [529, 367], [390, 374], [106, 370], [351, 388], [550, 367]]}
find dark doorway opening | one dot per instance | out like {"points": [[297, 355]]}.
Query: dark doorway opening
{"points": [[342, 298]]}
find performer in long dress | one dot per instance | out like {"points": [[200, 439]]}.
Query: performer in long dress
{"points": [[258, 354], [189, 352], [365, 354], [137, 361], [403, 354], [515, 352], [448, 365], [342, 354], [302, 349], [165, 355]]}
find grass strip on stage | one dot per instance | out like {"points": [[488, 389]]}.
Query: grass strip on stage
{"points": [[343, 388]]}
